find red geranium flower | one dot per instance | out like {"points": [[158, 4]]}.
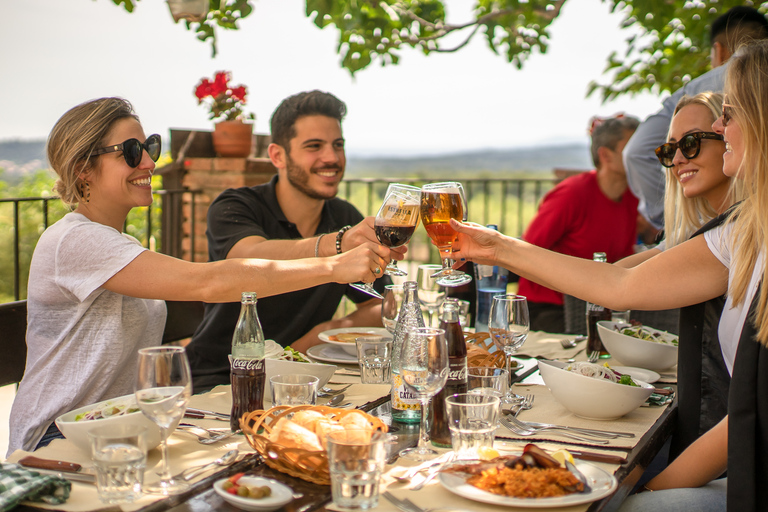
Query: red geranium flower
{"points": [[226, 101]]}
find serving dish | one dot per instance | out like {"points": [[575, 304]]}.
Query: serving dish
{"points": [[632, 351]]}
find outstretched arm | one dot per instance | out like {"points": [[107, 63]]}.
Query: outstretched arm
{"points": [[686, 274], [156, 276]]}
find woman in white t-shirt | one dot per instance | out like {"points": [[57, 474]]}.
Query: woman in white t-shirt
{"points": [[726, 259], [95, 295]]}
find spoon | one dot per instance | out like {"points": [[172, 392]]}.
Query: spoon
{"points": [[225, 460]]}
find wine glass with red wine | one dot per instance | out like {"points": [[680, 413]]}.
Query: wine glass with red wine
{"points": [[395, 223]]}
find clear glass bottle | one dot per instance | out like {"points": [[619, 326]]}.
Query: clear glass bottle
{"points": [[405, 405], [491, 280], [596, 313], [247, 372]]}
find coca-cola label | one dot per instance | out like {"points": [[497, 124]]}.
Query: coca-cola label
{"points": [[458, 371], [247, 364]]}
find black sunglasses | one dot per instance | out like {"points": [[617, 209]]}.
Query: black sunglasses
{"points": [[690, 145], [133, 149], [727, 114]]}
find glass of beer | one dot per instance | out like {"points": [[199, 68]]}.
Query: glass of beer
{"points": [[441, 202], [394, 225]]}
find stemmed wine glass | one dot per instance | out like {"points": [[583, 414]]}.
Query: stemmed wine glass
{"points": [[163, 388], [431, 294], [509, 325], [441, 202], [424, 370], [394, 225], [390, 306]]}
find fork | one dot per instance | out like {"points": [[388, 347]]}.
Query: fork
{"points": [[528, 432], [216, 439], [591, 433]]}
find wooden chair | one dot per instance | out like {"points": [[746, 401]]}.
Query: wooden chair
{"points": [[13, 340]]}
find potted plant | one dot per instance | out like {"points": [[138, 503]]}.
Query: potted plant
{"points": [[231, 136]]}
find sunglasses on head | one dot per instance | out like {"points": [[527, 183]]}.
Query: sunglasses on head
{"points": [[133, 149], [689, 146]]}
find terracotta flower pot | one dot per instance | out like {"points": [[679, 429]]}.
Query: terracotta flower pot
{"points": [[233, 138]]}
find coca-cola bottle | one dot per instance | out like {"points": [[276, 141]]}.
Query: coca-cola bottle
{"points": [[247, 373], [405, 405], [439, 432], [595, 313]]}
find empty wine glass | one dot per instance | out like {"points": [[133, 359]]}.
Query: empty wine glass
{"points": [[431, 294], [441, 202], [163, 388], [390, 306], [509, 325], [424, 370]]}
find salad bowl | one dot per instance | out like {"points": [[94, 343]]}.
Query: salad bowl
{"points": [[122, 410], [642, 353]]}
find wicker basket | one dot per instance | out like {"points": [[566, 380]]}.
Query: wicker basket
{"points": [[307, 465], [478, 351]]}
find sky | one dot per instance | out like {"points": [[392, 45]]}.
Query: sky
{"points": [[58, 53]]}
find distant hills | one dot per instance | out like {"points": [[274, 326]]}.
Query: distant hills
{"points": [[18, 157]]}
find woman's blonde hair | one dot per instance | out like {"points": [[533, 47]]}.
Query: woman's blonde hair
{"points": [[683, 216], [746, 87], [75, 136]]}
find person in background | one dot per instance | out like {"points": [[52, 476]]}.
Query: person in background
{"points": [[295, 215], [95, 295], [590, 212], [697, 191], [646, 178]]}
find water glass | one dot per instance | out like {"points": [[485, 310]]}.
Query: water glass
{"points": [[390, 305], [374, 355], [472, 420], [356, 461], [620, 317], [488, 380], [431, 294], [294, 389], [120, 456]]}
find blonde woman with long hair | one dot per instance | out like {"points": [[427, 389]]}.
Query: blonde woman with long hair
{"points": [[729, 258]]}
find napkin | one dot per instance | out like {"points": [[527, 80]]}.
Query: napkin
{"points": [[18, 483]]}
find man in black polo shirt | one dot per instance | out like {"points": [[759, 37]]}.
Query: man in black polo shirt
{"points": [[295, 215]]}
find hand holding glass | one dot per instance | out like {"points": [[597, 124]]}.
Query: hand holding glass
{"points": [[509, 326], [424, 370], [163, 388]]}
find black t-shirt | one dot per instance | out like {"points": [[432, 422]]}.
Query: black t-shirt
{"points": [[254, 211]]}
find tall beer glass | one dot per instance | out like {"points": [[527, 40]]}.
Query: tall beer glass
{"points": [[441, 202]]}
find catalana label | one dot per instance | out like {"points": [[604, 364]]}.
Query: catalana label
{"points": [[402, 398]]}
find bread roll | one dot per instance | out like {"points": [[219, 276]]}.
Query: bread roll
{"points": [[356, 420], [289, 434], [307, 419], [323, 428]]}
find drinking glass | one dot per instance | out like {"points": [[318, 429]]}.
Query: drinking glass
{"points": [[472, 420], [488, 380], [294, 389], [163, 388], [374, 356], [424, 370], [509, 325], [119, 455], [441, 202], [390, 306], [394, 225], [431, 294], [356, 460]]}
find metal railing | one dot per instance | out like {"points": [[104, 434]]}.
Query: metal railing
{"points": [[509, 203]]}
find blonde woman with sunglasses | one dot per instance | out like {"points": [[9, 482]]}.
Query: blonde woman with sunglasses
{"points": [[729, 258], [95, 295]]}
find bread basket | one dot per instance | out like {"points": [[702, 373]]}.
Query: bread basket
{"points": [[300, 463], [478, 353]]}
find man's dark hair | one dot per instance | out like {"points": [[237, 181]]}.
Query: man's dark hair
{"points": [[740, 25], [312, 103]]}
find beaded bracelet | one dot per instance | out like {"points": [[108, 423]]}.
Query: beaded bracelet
{"points": [[338, 238], [317, 244]]}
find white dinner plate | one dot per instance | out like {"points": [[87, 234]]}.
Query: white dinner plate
{"points": [[602, 484], [350, 346], [329, 353], [281, 494], [642, 374]]}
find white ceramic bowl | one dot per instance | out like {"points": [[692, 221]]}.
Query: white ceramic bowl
{"points": [[596, 399], [281, 494], [77, 431], [323, 372], [632, 351], [350, 333]]}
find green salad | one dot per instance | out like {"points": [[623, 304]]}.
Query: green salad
{"points": [[646, 334]]}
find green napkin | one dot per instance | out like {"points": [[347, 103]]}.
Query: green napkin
{"points": [[18, 484]]}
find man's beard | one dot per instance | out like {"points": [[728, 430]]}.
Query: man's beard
{"points": [[299, 179]]}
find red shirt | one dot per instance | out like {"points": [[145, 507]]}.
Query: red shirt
{"points": [[577, 219]]}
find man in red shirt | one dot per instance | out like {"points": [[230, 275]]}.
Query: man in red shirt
{"points": [[591, 212]]}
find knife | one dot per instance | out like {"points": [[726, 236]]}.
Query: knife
{"points": [[200, 414], [598, 457], [63, 469], [524, 375]]}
